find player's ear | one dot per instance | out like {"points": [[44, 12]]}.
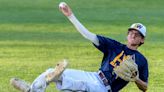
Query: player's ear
{"points": [[142, 40]]}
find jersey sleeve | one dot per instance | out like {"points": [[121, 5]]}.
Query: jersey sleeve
{"points": [[144, 73], [106, 44]]}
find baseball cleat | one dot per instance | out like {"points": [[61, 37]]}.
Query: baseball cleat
{"points": [[20, 85], [55, 75]]}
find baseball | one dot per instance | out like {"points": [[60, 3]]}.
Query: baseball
{"points": [[62, 4]]}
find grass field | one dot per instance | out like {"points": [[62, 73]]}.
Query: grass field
{"points": [[34, 35]]}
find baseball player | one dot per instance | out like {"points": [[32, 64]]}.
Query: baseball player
{"points": [[120, 65]]}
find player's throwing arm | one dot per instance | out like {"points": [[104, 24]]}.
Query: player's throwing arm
{"points": [[66, 10]]}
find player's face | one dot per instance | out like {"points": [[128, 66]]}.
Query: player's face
{"points": [[134, 38]]}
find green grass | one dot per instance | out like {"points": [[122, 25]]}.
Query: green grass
{"points": [[34, 35]]}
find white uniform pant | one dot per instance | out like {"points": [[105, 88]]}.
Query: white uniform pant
{"points": [[78, 80], [71, 80]]}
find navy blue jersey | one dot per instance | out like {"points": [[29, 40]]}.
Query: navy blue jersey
{"points": [[114, 53]]}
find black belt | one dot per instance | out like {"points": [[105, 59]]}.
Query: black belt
{"points": [[104, 80]]}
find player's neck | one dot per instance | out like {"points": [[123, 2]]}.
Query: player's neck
{"points": [[132, 47]]}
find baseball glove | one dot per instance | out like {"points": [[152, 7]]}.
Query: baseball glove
{"points": [[127, 70]]}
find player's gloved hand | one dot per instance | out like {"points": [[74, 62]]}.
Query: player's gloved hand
{"points": [[128, 70], [65, 9]]}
